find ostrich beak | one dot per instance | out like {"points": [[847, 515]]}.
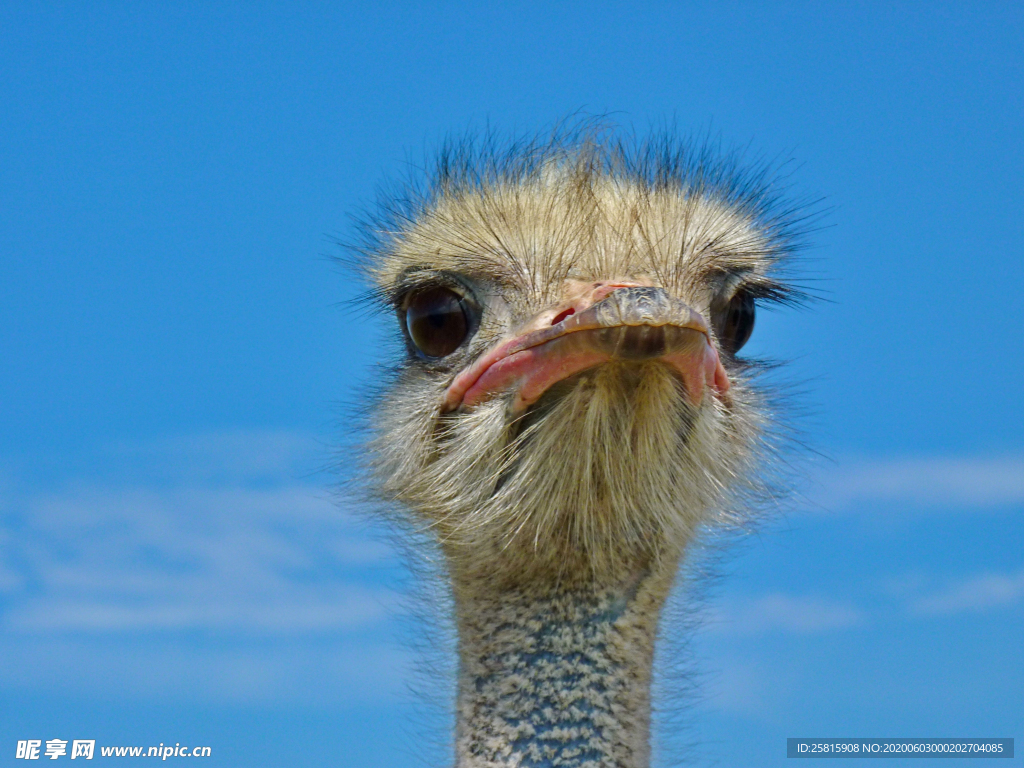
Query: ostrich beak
{"points": [[628, 323]]}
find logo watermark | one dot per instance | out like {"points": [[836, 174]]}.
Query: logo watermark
{"points": [[36, 749]]}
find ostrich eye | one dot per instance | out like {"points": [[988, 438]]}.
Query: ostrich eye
{"points": [[734, 321], [437, 321]]}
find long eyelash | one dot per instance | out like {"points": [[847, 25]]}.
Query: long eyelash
{"points": [[415, 280]]}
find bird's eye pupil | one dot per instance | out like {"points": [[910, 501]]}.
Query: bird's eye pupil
{"points": [[734, 322], [436, 321]]}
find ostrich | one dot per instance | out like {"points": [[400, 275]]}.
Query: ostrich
{"points": [[570, 411]]}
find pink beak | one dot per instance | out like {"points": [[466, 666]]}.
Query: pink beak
{"points": [[628, 323]]}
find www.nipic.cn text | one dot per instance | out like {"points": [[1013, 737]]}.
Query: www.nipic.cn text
{"points": [[34, 749]]}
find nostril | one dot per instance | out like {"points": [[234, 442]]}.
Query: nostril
{"points": [[562, 315]]}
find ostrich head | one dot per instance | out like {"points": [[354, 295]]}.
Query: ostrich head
{"points": [[570, 408]]}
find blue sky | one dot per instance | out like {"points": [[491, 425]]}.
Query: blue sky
{"points": [[175, 356]]}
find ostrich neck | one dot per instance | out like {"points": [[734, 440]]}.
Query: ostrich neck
{"points": [[557, 676]]}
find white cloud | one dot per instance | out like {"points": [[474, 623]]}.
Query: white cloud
{"points": [[780, 613], [977, 593], [931, 482], [304, 673], [236, 456], [278, 560], [240, 546], [206, 567], [351, 607], [744, 687], [9, 580]]}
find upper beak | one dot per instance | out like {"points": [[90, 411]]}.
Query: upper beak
{"points": [[629, 323]]}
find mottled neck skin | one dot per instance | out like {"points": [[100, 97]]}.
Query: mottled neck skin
{"points": [[558, 676]]}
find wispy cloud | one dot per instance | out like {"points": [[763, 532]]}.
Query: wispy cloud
{"points": [[213, 565], [352, 607], [226, 457], [948, 482], [786, 614], [977, 593], [123, 669], [109, 560]]}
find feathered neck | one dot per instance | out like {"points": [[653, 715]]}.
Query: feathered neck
{"points": [[558, 675]]}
